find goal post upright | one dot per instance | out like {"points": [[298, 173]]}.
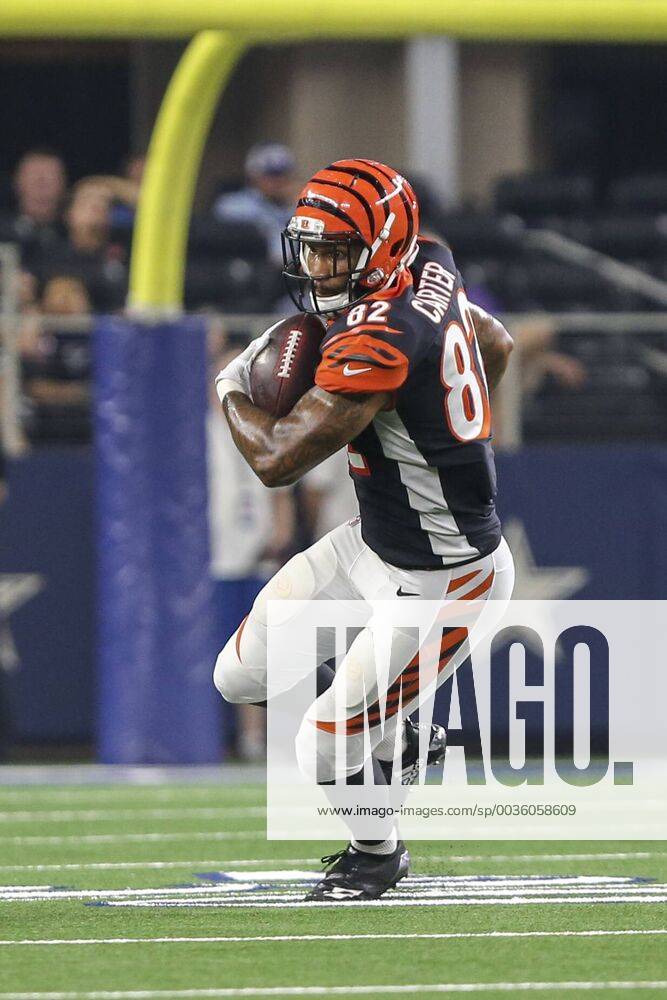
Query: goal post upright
{"points": [[174, 156]]}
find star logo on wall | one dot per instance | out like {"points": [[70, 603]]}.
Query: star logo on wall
{"points": [[16, 589], [540, 583]]}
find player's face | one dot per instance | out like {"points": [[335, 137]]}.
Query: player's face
{"points": [[330, 263]]}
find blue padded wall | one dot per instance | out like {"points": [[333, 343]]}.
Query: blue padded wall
{"points": [[156, 700]]}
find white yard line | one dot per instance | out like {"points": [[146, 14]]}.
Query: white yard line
{"points": [[385, 902], [611, 856], [68, 794], [119, 838], [124, 776], [93, 815], [273, 862], [212, 897], [300, 991], [216, 865], [451, 936], [431, 890]]}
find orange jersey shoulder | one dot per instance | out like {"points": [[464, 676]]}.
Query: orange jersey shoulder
{"points": [[366, 349]]}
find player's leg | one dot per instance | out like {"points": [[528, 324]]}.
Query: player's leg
{"points": [[319, 573], [366, 869], [384, 661], [482, 591], [496, 574]]}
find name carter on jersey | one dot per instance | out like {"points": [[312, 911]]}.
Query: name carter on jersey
{"points": [[435, 287]]}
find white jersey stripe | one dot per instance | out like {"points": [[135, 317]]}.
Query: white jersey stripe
{"points": [[424, 490]]}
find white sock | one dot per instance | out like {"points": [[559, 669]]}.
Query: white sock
{"points": [[385, 748], [386, 847]]}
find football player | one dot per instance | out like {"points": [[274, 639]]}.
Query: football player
{"points": [[406, 367]]}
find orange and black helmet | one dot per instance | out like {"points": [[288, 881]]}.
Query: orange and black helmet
{"points": [[364, 207]]}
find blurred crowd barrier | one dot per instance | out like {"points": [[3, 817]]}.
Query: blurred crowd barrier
{"points": [[580, 375]]}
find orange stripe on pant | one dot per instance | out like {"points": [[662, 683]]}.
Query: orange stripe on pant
{"points": [[461, 581], [407, 683], [239, 633], [481, 589], [405, 686]]}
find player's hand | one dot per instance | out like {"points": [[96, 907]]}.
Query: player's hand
{"points": [[235, 377]]}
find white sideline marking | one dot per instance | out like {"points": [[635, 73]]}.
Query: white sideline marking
{"points": [[299, 991], [91, 815], [247, 862], [453, 935], [115, 838]]}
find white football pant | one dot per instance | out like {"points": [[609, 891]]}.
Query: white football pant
{"points": [[340, 566]]}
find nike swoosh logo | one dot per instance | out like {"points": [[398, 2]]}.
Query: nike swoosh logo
{"points": [[403, 593], [355, 371]]}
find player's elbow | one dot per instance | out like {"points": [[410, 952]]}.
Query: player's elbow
{"points": [[500, 342], [270, 480], [273, 473], [266, 475], [281, 480], [498, 352], [506, 343]]}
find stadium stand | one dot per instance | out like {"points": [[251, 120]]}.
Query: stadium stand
{"points": [[623, 394], [620, 394]]}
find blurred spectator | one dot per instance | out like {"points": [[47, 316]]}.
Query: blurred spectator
{"points": [[88, 253], [535, 339], [267, 199], [3, 470], [65, 295], [536, 352], [251, 532], [40, 181], [56, 364], [88, 217], [123, 191]]}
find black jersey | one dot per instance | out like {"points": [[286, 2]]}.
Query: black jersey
{"points": [[423, 470]]}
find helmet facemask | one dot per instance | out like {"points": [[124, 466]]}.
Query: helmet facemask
{"points": [[349, 256]]}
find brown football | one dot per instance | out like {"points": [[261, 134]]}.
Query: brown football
{"points": [[285, 368]]}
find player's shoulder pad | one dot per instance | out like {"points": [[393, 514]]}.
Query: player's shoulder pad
{"points": [[433, 249], [367, 348]]}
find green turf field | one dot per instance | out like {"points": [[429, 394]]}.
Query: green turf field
{"points": [[116, 845]]}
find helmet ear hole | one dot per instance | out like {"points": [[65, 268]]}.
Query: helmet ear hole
{"points": [[395, 247]]}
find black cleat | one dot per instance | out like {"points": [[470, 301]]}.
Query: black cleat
{"points": [[411, 762], [356, 875]]}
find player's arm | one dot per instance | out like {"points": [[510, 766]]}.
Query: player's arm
{"points": [[281, 450], [494, 342]]}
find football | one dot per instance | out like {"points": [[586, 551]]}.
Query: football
{"points": [[285, 368]]}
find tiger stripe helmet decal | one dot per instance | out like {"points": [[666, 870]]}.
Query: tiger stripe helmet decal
{"points": [[370, 209]]}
